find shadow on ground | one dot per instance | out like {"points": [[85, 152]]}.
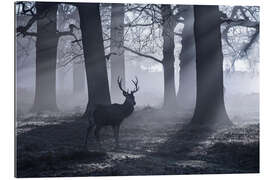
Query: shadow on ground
{"points": [[152, 142]]}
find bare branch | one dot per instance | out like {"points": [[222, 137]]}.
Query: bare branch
{"points": [[252, 40], [138, 24], [109, 55], [25, 10], [75, 41], [68, 33], [69, 61], [23, 29], [143, 55], [27, 33], [246, 22], [178, 34]]}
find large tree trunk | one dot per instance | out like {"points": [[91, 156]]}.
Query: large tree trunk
{"points": [[118, 59], [78, 78], [168, 57], [46, 53], [93, 49], [210, 109], [186, 96]]}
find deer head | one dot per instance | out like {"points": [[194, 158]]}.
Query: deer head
{"points": [[130, 99]]}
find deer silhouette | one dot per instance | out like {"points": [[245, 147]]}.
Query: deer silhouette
{"points": [[112, 115]]}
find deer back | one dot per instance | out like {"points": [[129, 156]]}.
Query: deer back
{"points": [[111, 114]]}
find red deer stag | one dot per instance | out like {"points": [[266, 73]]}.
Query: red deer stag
{"points": [[112, 115]]}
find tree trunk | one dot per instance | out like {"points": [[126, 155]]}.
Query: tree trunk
{"points": [[168, 57], [93, 49], [186, 96], [78, 78], [210, 109], [46, 53], [118, 60]]}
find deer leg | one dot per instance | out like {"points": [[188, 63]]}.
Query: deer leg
{"points": [[97, 129], [116, 135], [89, 129]]}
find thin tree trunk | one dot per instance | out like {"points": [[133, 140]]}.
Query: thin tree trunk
{"points": [[46, 53], [78, 78], [210, 109], [168, 57], [186, 96], [93, 49], [118, 59]]}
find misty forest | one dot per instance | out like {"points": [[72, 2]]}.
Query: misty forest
{"points": [[136, 89]]}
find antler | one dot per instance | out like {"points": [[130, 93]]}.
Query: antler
{"points": [[136, 85], [119, 81]]}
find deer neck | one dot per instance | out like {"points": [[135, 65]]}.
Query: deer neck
{"points": [[127, 108]]}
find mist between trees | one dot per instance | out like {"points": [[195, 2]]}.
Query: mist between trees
{"points": [[178, 84], [70, 57]]}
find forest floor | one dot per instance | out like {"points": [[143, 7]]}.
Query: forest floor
{"points": [[151, 143]]}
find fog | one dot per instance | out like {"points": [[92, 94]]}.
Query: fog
{"points": [[239, 84], [188, 102]]}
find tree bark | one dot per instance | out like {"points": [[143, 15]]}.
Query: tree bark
{"points": [[118, 59], [186, 95], [168, 57], [93, 49], [46, 53], [210, 109]]}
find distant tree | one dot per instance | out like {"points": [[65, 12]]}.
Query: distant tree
{"points": [[186, 95], [240, 31], [236, 44], [25, 46], [46, 52], [94, 55], [117, 59], [210, 109], [70, 55], [168, 24], [158, 17], [74, 50], [47, 36]]}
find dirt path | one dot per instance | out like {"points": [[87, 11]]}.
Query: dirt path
{"points": [[151, 142]]}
